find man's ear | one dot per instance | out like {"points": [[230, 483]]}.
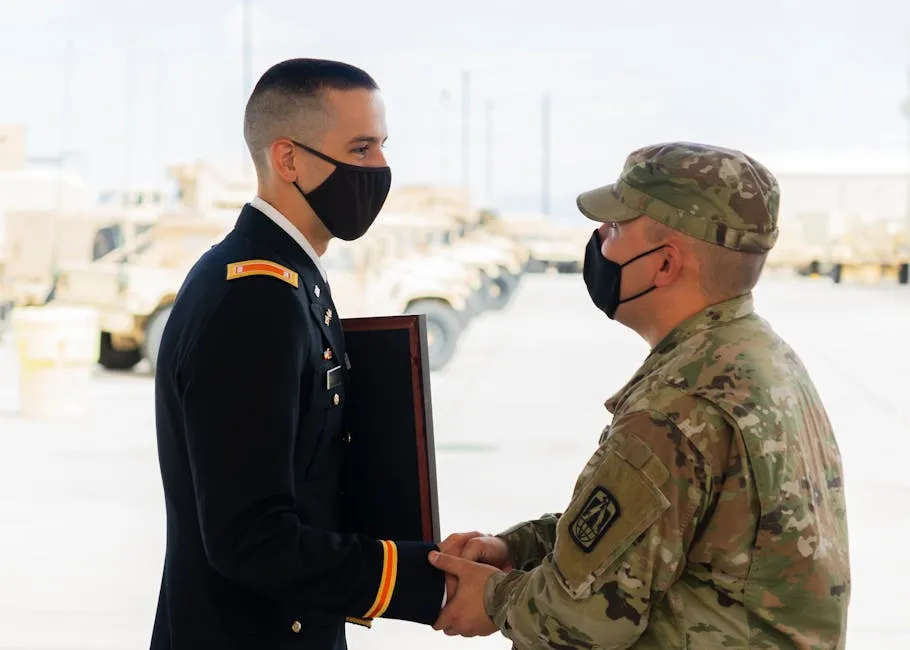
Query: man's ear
{"points": [[282, 159], [671, 264]]}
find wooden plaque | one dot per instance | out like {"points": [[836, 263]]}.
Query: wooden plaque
{"points": [[390, 470]]}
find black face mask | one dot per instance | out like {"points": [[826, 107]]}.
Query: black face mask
{"points": [[603, 277], [350, 199]]}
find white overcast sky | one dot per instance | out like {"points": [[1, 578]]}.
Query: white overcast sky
{"points": [[157, 83]]}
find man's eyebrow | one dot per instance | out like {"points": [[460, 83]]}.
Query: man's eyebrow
{"points": [[368, 139]]}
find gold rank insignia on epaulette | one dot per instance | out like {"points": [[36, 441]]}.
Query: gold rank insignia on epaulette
{"points": [[261, 267]]}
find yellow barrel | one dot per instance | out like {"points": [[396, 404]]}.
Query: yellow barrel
{"points": [[58, 349]]}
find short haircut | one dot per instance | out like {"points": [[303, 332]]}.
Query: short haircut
{"points": [[288, 102], [723, 273]]}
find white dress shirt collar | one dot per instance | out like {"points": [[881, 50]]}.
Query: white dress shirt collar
{"points": [[284, 223]]}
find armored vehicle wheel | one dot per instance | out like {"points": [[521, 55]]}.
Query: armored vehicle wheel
{"points": [[569, 267], [6, 308], [502, 291], [443, 330], [836, 273], [535, 266], [154, 330], [111, 358], [903, 274], [486, 290]]}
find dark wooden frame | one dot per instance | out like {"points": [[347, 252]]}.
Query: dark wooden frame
{"points": [[422, 435]]}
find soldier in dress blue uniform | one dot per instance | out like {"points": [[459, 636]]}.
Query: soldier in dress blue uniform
{"points": [[250, 395]]}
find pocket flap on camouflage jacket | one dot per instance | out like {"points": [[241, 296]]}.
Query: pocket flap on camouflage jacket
{"points": [[618, 502]]}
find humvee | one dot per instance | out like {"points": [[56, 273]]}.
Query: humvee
{"points": [[460, 236], [871, 251], [407, 281], [36, 244], [552, 246], [134, 286], [441, 237]]}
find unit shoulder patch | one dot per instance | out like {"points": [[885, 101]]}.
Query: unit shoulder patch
{"points": [[246, 268], [614, 506], [599, 513]]}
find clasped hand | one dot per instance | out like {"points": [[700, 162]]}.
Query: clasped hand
{"points": [[469, 559]]}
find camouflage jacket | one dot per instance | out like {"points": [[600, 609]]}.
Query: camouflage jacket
{"points": [[711, 515]]}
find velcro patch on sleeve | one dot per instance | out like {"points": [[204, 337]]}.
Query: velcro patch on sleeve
{"points": [[247, 268], [596, 517], [609, 512]]}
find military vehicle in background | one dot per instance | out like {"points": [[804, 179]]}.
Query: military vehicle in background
{"points": [[401, 242], [902, 248], [551, 246], [36, 244], [480, 233], [802, 245], [448, 226], [511, 259], [371, 277], [134, 286], [444, 237], [869, 251]]}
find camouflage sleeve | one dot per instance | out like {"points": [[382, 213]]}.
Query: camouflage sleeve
{"points": [[531, 541], [619, 545]]}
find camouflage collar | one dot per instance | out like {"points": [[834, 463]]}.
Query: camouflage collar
{"points": [[709, 318]]}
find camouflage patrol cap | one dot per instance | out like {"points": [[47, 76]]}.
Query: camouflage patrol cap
{"points": [[719, 195]]}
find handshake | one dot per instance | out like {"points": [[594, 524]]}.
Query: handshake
{"points": [[468, 559]]}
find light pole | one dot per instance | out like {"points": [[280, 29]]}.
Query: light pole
{"points": [[466, 131], [489, 152], [66, 121], [129, 89], [545, 157], [247, 67], [905, 111], [444, 137]]}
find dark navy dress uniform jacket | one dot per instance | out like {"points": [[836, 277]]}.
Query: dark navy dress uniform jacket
{"points": [[251, 442]]}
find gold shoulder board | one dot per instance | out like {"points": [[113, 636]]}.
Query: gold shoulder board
{"points": [[261, 267]]}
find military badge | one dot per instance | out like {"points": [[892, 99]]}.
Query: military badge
{"points": [[595, 518]]}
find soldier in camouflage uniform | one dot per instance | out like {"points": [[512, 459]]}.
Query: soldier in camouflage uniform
{"points": [[712, 514]]}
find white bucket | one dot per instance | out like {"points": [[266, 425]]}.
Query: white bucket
{"points": [[57, 348]]}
